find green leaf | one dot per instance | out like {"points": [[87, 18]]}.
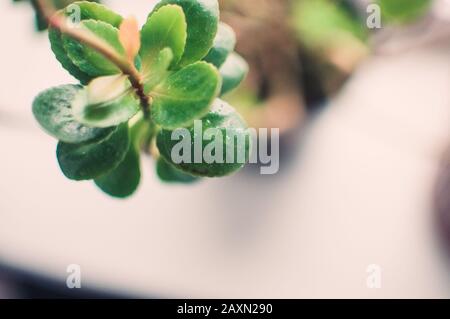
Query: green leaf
{"points": [[142, 131], [169, 174], [106, 101], [403, 11], [232, 136], [53, 110], [224, 43], [95, 11], [89, 60], [88, 10], [202, 17], [91, 160], [124, 180], [233, 72], [158, 70], [185, 95], [58, 49], [165, 28]]}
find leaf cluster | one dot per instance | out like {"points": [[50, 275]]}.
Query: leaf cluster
{"points": [[185, 60]]}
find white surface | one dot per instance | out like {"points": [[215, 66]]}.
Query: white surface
{"points": [[357, 193]]}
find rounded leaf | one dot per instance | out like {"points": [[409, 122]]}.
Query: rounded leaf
{"points": [[88, 59], [169, 174], [165, 28], [58, 49], [124, 180], [158, 70], [53, 110], [216, 146], [87, 10], [202, 17], [96, 11], [106, 101], [91, 160], [233, 72], [224, 43], [185, 95]]}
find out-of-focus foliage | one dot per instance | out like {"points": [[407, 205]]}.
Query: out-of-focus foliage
{"points": [[41, 23], [403, 11], [324, 23], [299, 51], [319, 44], [332, 30]]}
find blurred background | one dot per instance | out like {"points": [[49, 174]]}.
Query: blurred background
{"points": [[364, 175]]}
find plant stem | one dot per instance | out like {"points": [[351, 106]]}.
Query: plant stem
{"points": [[58, 21]]}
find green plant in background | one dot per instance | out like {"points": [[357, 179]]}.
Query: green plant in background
{"points": [[334, 32], [337, 31], [403, 11], [41, 21], [136, 87], [324, 23]]}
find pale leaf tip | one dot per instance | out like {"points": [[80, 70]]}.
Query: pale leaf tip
{"points": [[129, 37]]}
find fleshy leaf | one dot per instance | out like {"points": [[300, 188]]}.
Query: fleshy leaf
{"points": [[142, 131], [88, 10], [233, 72], [106, 101], [169, 174], [224, 43], [124, 180], [165, 28], [91, 160], [129, 37], [202, 17], [89, 60], [158, 70], [96, 11], [232, 136], [53, 110], [61, 55], [185, 95]]}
